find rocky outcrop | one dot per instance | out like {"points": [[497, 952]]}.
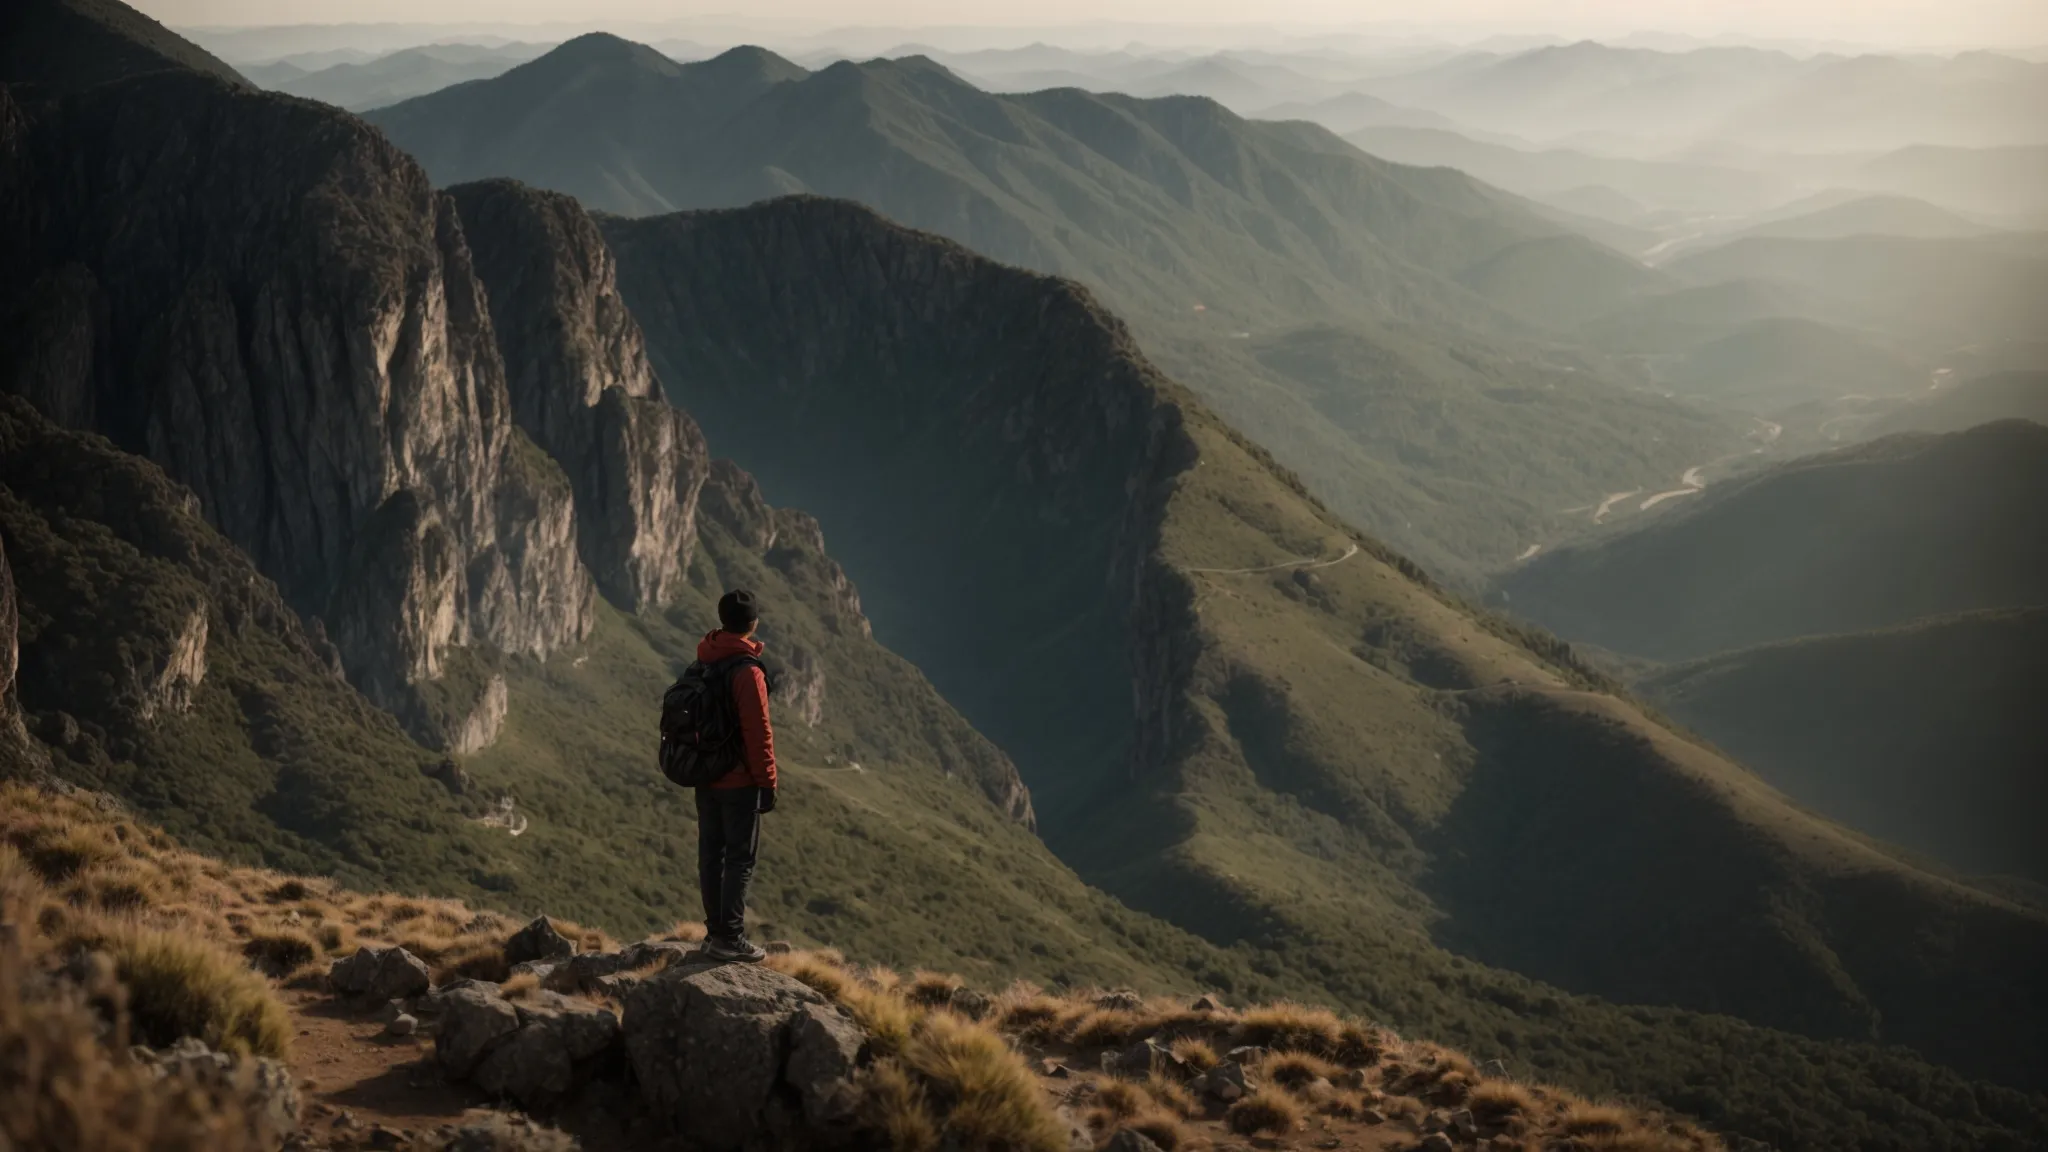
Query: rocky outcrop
{"points": [[534, 1052], [17, 750], [742, 1057], [379, 975], [479, 730], [264, 1088], [581, 387], [269, 300], [169, 688]]}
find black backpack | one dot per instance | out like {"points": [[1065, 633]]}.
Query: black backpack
{"points": [[700, 723]]}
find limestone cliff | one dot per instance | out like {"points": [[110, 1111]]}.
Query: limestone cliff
{"points": [[581, 387], [265, 297]]}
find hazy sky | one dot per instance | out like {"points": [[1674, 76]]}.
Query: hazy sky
{"points": [[2018, 23]]}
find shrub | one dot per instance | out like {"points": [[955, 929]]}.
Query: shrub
{"points": [[280, 952], [180, 985], [62, 1088], [996, 1100], [1265, 1110]]}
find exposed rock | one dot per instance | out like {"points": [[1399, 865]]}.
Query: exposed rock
{"points": [[479, 730], [403, 1024], [538, 1063], [1208, 1004], [969, 1003], [380, 974], [1247, 1055], [1128, 1140], [1462, 1125], [733, 500], [1120, 1000], [265, 1086], [586, 972], [17, 750], [799, 552], [303, 307], [169, 689], [539, 940], [1436, 1142], [800, 686], [1226, 1082], [451, 776], [582, 388], [473, 1019], [721, 1050], [1140, 1060], [1371, 1116]]}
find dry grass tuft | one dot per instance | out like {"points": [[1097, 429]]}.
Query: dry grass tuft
{"points": [[1121, 1098], [996, 1100], [1496, 1100], [932, 989], [180, 985], [1584, 1119], [522, 986], [1171, 1094], [1162, 1128], [894, 1105], [1267, 1110], [1287, 1027], [1196, 1053], [280, 952], [1295, 1071], [1104, 1027]]}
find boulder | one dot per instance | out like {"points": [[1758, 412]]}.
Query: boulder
{"points": [[264, 1086], [1126, 1140], [1141, 1060], [538, 941], [380, 975], [969, 1003], [1225, 1082], [404, 1024], [588, 972], [1207, 1004], [1463, 1125], [740, 1056], [539, 1063], [1436, 1142], [473, 1019]]}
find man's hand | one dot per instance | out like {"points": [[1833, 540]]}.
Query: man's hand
{"points": [[765, 800]]}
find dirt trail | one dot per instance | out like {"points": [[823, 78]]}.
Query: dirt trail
{"points": [[1304, 563]]}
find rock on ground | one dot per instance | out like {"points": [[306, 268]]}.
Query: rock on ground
{"points": [[264, 1086], [380, 974], [742, 1057], [539, 940]]}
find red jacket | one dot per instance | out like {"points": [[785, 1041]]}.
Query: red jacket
{"points": [[750, 693]]}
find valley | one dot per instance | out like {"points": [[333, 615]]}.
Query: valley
{"points": [[1561, 611]]}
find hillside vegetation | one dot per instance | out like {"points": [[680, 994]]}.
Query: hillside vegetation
{"points": [[1329, 759], [1928, 735]]}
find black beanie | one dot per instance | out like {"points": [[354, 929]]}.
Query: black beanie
{"points": [[736, 611]]}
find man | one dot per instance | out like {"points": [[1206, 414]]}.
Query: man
{"points": [[729, 810]]}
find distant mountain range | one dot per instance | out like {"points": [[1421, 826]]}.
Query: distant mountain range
{"points": [[1594, 93], [1224, 240], [1929, 734], [398, 76], [1872, 536]]}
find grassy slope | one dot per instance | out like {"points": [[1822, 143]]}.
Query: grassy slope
{"points": [[1928, 735], [1197, 225], [1391, 797], [1858, 538]]}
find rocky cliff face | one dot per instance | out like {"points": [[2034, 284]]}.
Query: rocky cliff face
{"points": [[581, 387], [14, 741], [266, 298]]}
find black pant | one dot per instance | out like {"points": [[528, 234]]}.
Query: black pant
{"points": [[728, 839]]}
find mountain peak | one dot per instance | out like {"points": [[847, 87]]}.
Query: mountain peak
{"points": [[69, 45], [606, 50]]}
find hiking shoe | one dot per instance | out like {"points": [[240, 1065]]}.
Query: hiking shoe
{"points": [[739, 949]]}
